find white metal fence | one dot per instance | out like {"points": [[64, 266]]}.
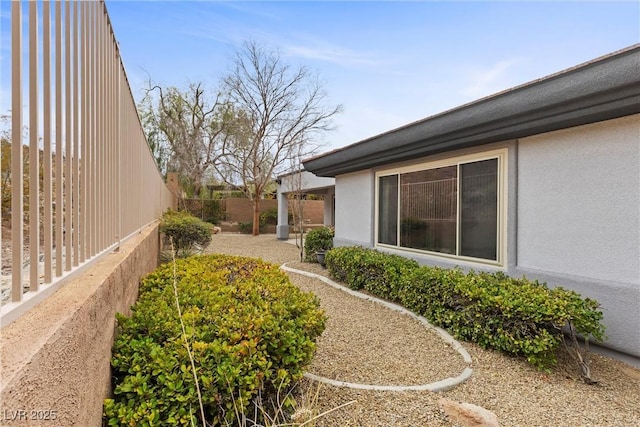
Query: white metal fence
{"points": [[82, 177]]}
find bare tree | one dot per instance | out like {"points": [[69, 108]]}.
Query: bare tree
{"points": [[186, 129], [297, 185], [279, 113], [155, 139]]}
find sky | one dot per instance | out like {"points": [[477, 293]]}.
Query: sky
{"points": [[388, 63]]}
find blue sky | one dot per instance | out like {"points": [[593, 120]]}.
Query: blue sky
{"points": [[388, 63]]}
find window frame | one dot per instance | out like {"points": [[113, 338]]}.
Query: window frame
{"points": [[501, 234]]}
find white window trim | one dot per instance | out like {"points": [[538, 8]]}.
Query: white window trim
{"points": [[501, 232]]}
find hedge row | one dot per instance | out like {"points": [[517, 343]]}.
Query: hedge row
{"points": [[371, 270], [250, 331], [517, 316]]}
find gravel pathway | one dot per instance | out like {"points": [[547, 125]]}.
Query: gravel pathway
{"points": [[365, 342], [400, 351]]}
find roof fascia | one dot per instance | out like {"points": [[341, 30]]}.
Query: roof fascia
{"points": [[602, 89]]}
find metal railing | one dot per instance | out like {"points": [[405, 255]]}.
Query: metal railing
{"points": [[92, 180]]}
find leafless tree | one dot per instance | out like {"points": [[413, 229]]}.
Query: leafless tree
{"points": [[185, 129], [297, 185], [279, 114]]}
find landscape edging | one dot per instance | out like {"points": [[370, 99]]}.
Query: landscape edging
{"points": [[442, 385]]}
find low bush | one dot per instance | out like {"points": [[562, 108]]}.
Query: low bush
{"points": [[247, 227], [249, 329], [317, 239], [270, 216], [209, 210], [374, 271], [517, 316], [185, 231]]}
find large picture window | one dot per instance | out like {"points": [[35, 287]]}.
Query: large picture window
{"points": [[449, 209]]}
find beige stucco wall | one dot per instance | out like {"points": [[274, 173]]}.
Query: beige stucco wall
{"points": [[57, 356]]}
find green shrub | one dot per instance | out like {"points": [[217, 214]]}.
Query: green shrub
{"points": [[371, 270], [517, 316], [247, 227], [317, 239], [209, 210], [270, 216], [213, 212], [184, 230], [250, 331]]}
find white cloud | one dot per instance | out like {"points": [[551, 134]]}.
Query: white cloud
{"points": [[328, 53], [489, 80], [249, 9], [292, 45], [360, 122]]}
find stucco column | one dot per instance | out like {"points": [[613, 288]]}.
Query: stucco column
{"points": [[282, 229], [328, 206]]}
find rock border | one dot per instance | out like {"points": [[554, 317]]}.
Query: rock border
{"points": [[442, 385]]}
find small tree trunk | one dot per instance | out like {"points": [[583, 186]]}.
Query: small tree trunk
{"points": [[256, 215], [579, 354]]}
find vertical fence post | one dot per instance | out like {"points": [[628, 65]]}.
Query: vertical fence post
{"points": [[59, 141], [88, 161], [46, 179], [75, 188], [82, 191], [119, 142], [34, 152], [16, 152], [92, 125], [68, 154], [100, 205]]}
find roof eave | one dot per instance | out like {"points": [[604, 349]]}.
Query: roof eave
{"points": [[600, 90]]}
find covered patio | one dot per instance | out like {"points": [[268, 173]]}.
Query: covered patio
{"points": [[301, 183]]}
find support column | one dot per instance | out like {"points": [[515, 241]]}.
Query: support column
{"points": [[329, 207], [282, 229]]}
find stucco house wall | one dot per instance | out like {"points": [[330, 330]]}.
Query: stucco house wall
{"points": [[578, 204], [566, 153], [573, 216], [578, 218], [354, 202]]}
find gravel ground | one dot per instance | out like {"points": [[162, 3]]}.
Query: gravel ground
{"points": [[365, 342], [382, 346]]}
